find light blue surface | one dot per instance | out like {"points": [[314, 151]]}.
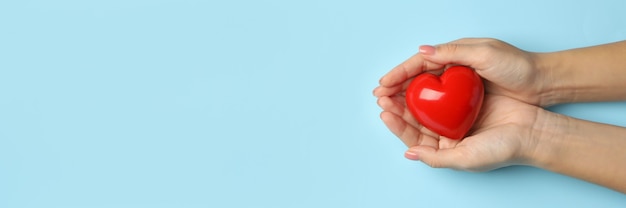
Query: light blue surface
{"points": [[164, 103]]}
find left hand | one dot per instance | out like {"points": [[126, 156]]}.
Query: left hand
{"points": [[507, 70]]}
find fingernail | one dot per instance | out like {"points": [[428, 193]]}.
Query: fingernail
{"points": [[411, 155], [378, 102], [427, 50], [374, 91]]}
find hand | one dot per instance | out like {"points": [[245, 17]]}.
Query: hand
{"points": [[503, 135], [512, 128], [508, 70]]}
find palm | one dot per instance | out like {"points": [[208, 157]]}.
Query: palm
{"points": [[495, 141]]}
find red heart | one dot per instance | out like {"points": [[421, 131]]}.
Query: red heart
{"points": [[447, 105]]}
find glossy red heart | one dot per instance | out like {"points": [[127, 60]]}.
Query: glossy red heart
{"points": [[447, 105]]}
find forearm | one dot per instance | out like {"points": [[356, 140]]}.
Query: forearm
{"points": [[586, 150], [589, 74]]}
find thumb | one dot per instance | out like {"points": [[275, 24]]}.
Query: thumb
{"points": [[436, 158], [452, 53]]}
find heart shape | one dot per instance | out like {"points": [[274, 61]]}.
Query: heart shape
{"points": [[447, 105]]}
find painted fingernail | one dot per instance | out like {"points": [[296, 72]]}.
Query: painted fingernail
{"points": [[427, 50], [411, 155]]}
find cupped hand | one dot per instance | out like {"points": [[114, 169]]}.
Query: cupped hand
{"points": [[503, 135], [506, 69]]}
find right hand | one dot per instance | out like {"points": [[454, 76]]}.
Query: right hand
{"points": [[508, 70], [506, 132]]}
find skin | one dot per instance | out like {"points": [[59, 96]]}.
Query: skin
{"points": [[513, 128]]}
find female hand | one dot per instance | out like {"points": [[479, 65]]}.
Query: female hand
{"points": [[512, 128], [504, 134], [507, 70]]}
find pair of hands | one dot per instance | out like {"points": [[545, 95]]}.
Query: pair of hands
{"points": [[505, 132]]}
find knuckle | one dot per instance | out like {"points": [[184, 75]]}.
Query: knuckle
{"points": [[495, 43], [434, 164], [450, 47]]}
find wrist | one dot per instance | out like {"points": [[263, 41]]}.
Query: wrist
{"points": [[553, 79], [549, 133], [582, 149]]}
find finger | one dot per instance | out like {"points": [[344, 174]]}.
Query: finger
{"points": [[388, 91], [408, 117], [429, 50], [447, 143], [408, 69], [454, 53], [407, 134], [436, 158], [471, 40], [396, 105], [391, 105], [403, 111]]}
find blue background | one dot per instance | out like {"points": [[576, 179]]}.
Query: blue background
{"points": [[188, 103]]}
